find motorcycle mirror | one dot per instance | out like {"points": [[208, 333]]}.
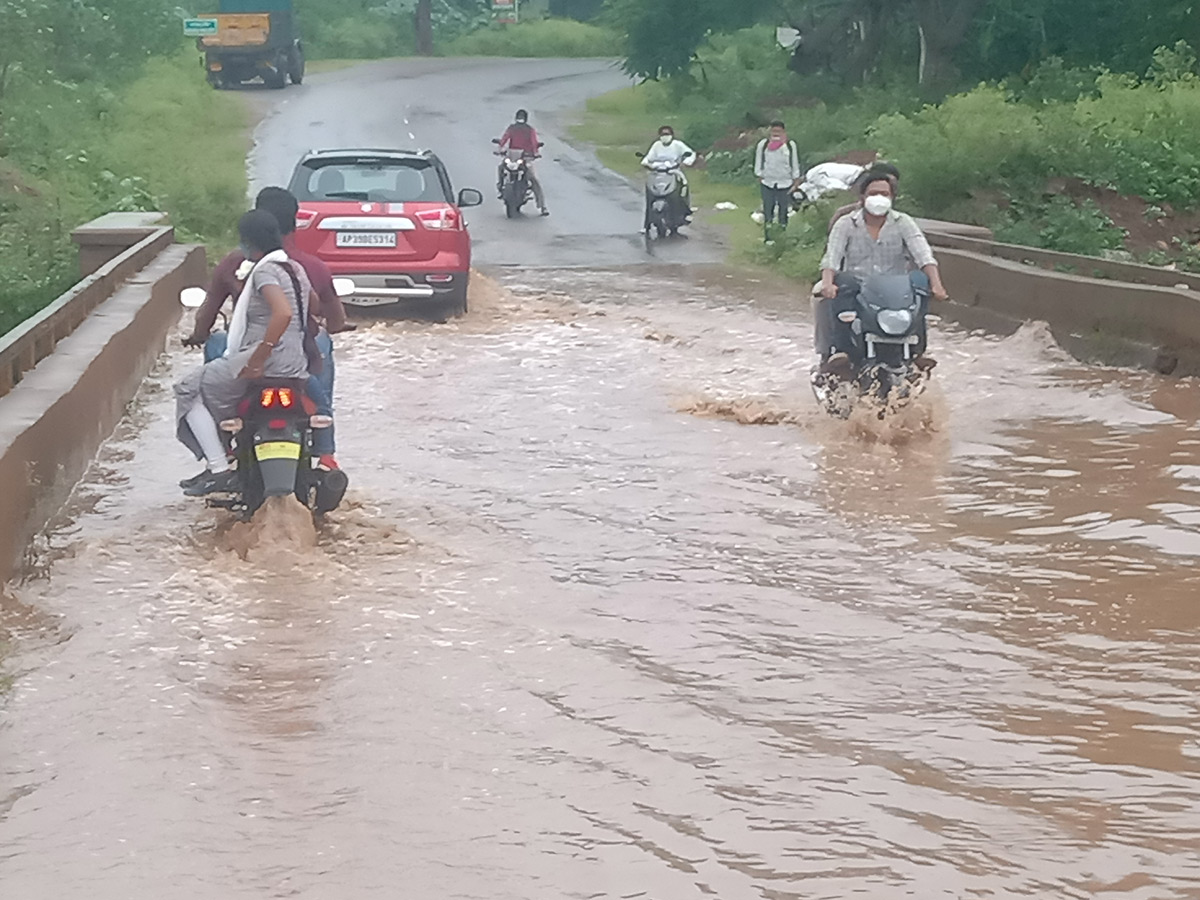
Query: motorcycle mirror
{"points": [[847, 317], [495, 140], [343, 287], [193, 297]]}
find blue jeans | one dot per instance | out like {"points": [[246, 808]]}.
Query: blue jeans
{"points": [[320, 387]]}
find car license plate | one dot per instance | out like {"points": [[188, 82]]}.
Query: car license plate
{"points": [[369, 301], [366, 239]]}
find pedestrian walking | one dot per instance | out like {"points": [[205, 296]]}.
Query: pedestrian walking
{"points": [[777, 167]]}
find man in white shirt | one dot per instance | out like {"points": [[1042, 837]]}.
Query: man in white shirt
{"points": [[777, 167], [670, 150]]}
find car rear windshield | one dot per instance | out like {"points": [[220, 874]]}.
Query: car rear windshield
{"points": [[370, 179]]}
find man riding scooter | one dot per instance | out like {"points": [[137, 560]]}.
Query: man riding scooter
{"points": [[669, 153], [225, 284], [873, 240], [522, 136]]}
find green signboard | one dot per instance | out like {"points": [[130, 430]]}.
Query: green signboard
{"points": [[199, 27]]}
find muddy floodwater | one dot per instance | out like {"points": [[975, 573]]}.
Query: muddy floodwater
{"points": [[613, 612]]}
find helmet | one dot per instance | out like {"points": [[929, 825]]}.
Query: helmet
{"points": [[522, 115]]}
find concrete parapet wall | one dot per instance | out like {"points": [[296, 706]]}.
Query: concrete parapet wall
{"points": [[53, 422], [1120, 322]]}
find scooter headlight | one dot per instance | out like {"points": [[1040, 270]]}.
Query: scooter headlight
{"points": [[895, 321]]}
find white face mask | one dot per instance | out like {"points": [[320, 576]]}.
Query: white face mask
{"points": [[878, 204], [666, 138]]}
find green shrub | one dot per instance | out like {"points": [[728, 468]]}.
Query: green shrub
{"points": [[1059, 224], [165, 141], [543, 38], [731, 166], [361, 38]]}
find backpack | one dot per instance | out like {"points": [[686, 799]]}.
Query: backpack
{"points": [[762, 153]]}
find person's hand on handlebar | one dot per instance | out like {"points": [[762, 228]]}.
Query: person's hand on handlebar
{"points": [[195, 340]]}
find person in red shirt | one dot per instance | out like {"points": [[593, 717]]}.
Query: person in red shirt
{"points": [[326, 309], [520, 135]]}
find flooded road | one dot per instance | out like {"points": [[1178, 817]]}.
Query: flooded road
{"points": [[586, 631]]}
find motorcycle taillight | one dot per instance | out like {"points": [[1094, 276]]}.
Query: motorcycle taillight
{"points": [[286, 398], [267, 399]]}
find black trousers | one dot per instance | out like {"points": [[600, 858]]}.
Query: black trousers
{"points": [[773, 199]]}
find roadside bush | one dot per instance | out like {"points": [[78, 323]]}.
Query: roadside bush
{"points": [[1059, 224], [165, 141], [361, 38], [543, 38], [971, 141], [731, 166]]}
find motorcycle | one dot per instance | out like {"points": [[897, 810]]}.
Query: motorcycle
{"points": [[515, 187], [889, 331], [665, 204], [271, 440]]}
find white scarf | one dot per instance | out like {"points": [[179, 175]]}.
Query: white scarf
{"points": [[241, 309]]}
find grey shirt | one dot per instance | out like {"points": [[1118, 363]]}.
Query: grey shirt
{"points": [[901, 247], [288, 359]]}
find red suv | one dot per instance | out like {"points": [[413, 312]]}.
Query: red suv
{"points": [[388, 220]]}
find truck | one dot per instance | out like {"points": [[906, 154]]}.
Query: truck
{"points": [[253, 39]]}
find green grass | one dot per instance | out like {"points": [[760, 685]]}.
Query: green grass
{"points": [[165, 141], [544, 38]]}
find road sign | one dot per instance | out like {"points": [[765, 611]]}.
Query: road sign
{"points": [[199, 27]]}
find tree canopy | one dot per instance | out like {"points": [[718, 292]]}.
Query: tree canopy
{"points": [[948, 40]]}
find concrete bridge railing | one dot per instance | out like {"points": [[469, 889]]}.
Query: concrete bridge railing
{"points": [[67, 374], [1101, 310]]}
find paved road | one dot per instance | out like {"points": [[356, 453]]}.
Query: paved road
{"points": [[455, 107], [591, 627]]}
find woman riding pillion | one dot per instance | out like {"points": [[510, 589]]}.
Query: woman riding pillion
{"points": [[668, 151], [873, 240], [326, 313], [267, 337]]}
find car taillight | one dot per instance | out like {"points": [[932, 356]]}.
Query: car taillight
{"points": [[448, 219], [305, 217]]}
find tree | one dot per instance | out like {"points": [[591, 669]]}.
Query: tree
{"points": [[423, 19], [662, 36], [942, 25]]}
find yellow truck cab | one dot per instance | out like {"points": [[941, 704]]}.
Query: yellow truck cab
{"points": [[253, 39]]}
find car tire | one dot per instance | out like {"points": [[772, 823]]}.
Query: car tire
{"points": [[455, 303]]}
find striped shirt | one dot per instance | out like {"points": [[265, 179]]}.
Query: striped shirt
{"points": [[901, 247]]}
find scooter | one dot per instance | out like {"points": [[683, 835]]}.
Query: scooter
{"points": [[889, 331], [515, 187], [270, 439], [665, 203]]}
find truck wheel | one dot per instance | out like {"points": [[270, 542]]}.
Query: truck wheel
{"points": [[297, 69], [278, 79]]}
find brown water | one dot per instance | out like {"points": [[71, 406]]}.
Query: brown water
{"points": [[585, 631]]}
